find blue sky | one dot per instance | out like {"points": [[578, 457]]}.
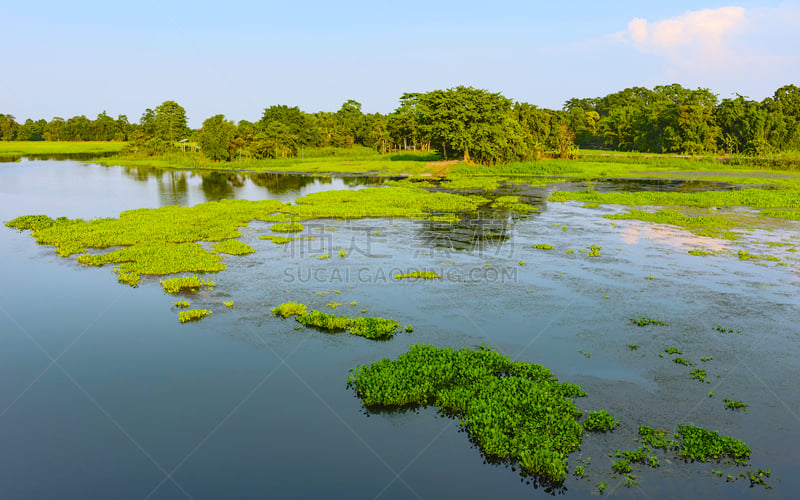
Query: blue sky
{"points": [[238, 57]]}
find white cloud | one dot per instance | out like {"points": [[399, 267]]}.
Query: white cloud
{"points": [[697, 40]]}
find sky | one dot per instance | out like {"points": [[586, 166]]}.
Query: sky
{"points": [[239, 57]]}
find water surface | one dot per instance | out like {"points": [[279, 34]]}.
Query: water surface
{"points": [[103, 393]]}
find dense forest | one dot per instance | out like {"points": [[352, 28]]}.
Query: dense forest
{"points": [[461, 122]]}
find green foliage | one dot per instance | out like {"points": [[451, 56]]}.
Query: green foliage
{"points": [[516, 411], [192, 315], [543, 246], [594, 250], [290, 227], [672, 350], [279, 240], [681, 361], [701, 445], [183, 304], [698, 374], [697, 444], [215, 138], [233, 247], [600, 421], [289, 309], [643, 321], [371, 328], [185, 284], [425, 275], [733, 405]]}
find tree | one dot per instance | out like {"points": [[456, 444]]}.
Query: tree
{"points": [[8, 127], [170, 122], [467, 122], [215, 138]]}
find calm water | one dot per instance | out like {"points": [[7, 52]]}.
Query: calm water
{"points": [[103, 393]]}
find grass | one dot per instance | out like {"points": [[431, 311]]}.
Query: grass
{"points": [[512, 411], [354, 160], [23, 148]]}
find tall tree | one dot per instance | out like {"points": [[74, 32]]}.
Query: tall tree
{"points": [[215, 138], [466, 121], [170, 122]]}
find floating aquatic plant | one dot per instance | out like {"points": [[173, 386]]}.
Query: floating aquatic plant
{"points": [[287, 227], [182, 304], [289, 309], [600, 421], [425, 275], [192, 315], [514, 411], [543, 246], [279, 240], [185, 284], [233, 247], [643, 321], [733, 405]]}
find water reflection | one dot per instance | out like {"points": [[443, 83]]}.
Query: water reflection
{"points": [[173, 189], [57, 156], [283, 183]]}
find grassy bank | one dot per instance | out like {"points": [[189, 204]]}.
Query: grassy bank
{"points": [[357, 160], [24, 148]]}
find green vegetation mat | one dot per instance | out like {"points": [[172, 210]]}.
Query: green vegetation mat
{"points": [[516, 411], [371, 328], [166, 240]]}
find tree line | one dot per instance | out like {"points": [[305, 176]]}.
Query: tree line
{"points": [[461, 122]]}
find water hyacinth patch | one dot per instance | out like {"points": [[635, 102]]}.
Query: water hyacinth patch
{"points": [[512, 410], [289, 309], [289, 227], [278, 240], [600, 421], [185, 284], [233, 247], [425, 275], [371, 328], [192, 315]]}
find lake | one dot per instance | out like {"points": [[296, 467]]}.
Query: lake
{"points": [[103, 393]]}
